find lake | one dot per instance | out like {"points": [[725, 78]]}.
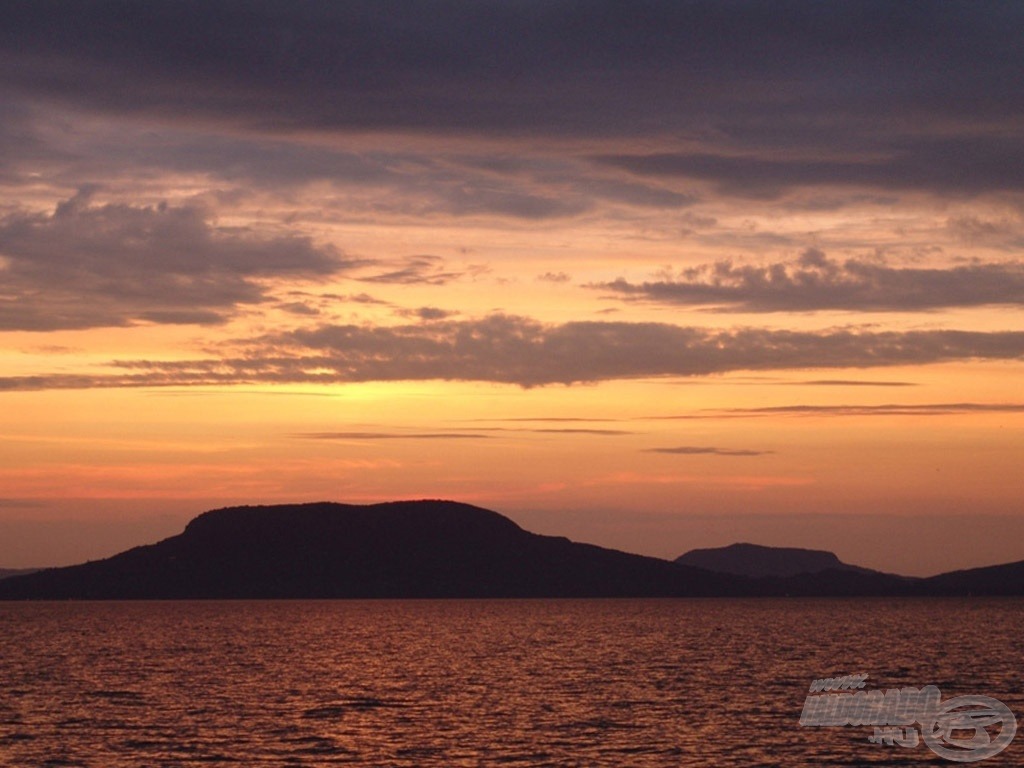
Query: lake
{"points": [[688, 682]]}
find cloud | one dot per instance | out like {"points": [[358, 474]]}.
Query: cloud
{"points": [[416, 270], [767, 98], [88, 265], [854, 383], [891, 409], [951, 166], [298, 308], [390, 436], [561, 431], [426, 314], [501, 67], [418, 181], [548, 419], [455, 435], [554, 277], [363, 298], [690, 450], [571, 431], [522, 351], [815, 282], [999, 233], [469, 199]]}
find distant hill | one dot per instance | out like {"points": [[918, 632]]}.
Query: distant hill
{"points": [[6, 572], [434, 549], [759, 561], [401, 549], [992, 580]]}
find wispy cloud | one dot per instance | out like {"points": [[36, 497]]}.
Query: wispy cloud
{"points": [[816, 282], [581, 431], [960, 165], [390, 436], [854, 383], [556, 419], [691, 450], [562, 431], [518, 350], [554, 277], [417, 270], [426, 313], [891, 409]]}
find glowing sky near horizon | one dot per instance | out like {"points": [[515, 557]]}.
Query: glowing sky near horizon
{"points": [[651, 275]]}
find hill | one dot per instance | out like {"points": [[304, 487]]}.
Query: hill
{"points": [[759, 561], [8, 572], [400, 549], [993, 580], [440, 549]]}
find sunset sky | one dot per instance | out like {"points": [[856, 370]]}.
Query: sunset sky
{"points": [[649, 275]]}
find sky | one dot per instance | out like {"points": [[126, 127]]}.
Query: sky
{"points": [[651, 275]]}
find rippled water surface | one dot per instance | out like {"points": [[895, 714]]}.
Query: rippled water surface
{"points": [[453, 683]]}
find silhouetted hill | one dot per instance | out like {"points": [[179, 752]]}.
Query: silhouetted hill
{"points": [[432, 549], [993, 580], [7, 572], [759, 561], [401, 549]]}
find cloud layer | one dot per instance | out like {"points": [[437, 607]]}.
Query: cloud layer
{"points": [[517, 350], [816, 282], [755, 98]]}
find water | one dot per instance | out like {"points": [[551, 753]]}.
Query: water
{"points": [[466, 683]]}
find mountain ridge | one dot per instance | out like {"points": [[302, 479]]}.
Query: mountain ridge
{"points": [[432, 549], [429, 548]]}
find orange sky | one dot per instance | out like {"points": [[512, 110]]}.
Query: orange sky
{"points": [[655, 294]]}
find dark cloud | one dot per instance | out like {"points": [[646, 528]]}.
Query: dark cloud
{"points": [[816, 282], [364, 298], [88, 265], [765, 95], [19, 142], [554, 277], [958, 166], [998, 233], [368, 183], [522, 351], [378, 182], [691, 450], [472, 199], [417, 270], [635, 194], [497, 66], [426, 313], [299, 308], [561, 431]]}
